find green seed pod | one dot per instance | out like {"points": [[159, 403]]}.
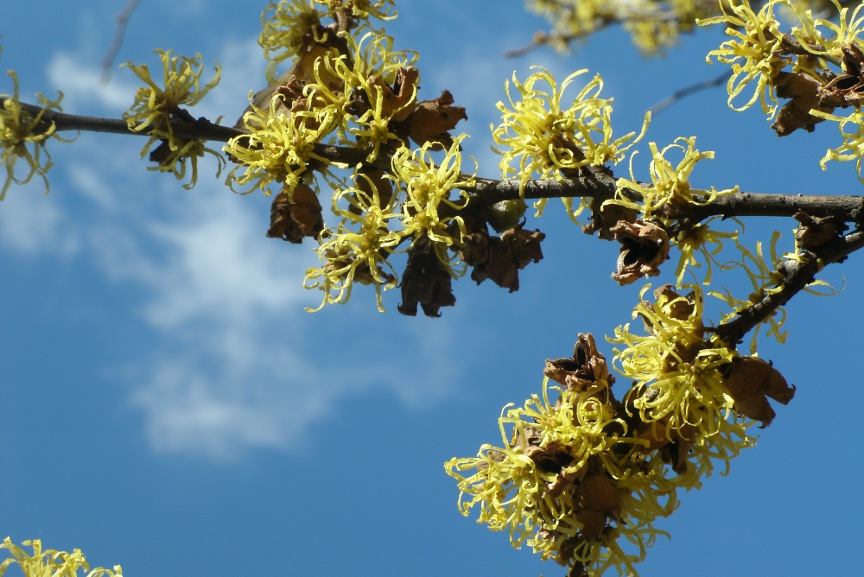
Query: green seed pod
{"points": [[506, 214]]}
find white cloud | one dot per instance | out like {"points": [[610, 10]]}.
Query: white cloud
{"points": [[82, 84], [31, 223], [236, 363]]}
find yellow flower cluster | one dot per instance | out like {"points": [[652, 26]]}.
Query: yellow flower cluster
{"points": [[49, 562], [426, 187], [157, 105], [653, 25], [286, 31], [551, 480], [824, 60], [23, 135], [752, 53], [546, 140], [581, 477], [317, 101], [279, 147], [376, 218], [677, 377], [349, 88], [670, 190], [291, 28], [375, 67]]}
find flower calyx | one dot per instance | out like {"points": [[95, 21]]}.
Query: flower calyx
{"points": [[814, 232], [584, 370], [644, 247]]}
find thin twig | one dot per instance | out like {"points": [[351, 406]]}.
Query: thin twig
{"points": [[688, 90], [117, 42]]}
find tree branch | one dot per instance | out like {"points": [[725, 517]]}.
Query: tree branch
{"points": [[795, 276], [592, 182]]}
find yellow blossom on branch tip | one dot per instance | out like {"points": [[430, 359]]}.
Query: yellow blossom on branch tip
{"points": [[23, 135], [50, 562], [181, 86]]}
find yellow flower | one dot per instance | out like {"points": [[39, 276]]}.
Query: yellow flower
{"points": [[566, 469], [695, 240], [670, 184], [829, 45], [764, 279], [546, 140], [852, 131], [50, 562], [509, 482], [279, 146], [753, 53], [359, 255], [156, 107], [154, 104], [364, 9], [427, 188], [677, 374], [581, 477], [291, 28], [23, 135]]}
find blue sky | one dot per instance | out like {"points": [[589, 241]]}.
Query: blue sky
{"points": [[169, 406]]}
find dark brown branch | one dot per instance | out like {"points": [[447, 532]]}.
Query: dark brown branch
{"points": [[200, 129], [849, 208], [593, 182], [795, 276], [595, 185]]}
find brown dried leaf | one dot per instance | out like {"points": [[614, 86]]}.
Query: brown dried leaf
{"points": [[295, 215], [501, 259], [597, 492], [399, 98], [593, 524], [585, 368], [425, 282], [805, 96], [432, 119], [750, 381]]}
